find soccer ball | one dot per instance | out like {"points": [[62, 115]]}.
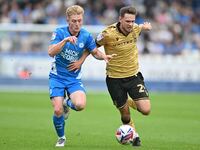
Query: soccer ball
{"points": [[125, 134]]}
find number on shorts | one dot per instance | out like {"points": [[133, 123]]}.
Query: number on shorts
{"points": [[141, 88]]}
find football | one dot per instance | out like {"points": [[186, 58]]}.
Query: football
{"points": [[125, 134]]}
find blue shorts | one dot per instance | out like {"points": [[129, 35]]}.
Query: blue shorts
{"points": [[59, 87]]}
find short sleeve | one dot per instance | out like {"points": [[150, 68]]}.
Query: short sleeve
{"points": [[100, 39], [55, 38], [90, 43], [137, 29]]}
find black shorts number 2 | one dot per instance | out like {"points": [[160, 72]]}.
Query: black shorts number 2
{"points": [[120, 88]]}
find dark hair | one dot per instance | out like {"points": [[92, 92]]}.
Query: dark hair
{"points": [[127, 10]]}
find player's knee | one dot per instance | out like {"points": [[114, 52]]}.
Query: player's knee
{"points": [[125, 119], [145, 111], [58, 111], [79, 106], [144, 108]]}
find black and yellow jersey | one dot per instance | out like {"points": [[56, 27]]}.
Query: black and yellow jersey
{"points": [[125, 64]]}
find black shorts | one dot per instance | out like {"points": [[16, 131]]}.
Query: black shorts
{"points": [[120, 88]]}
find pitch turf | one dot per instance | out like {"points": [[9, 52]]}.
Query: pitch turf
{"points": [[25, 123]]}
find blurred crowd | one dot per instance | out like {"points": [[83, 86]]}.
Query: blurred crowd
{"points": [[176, 23]]}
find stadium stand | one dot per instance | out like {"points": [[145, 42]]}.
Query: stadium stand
{"points": [[176, 19], [174, 42]]}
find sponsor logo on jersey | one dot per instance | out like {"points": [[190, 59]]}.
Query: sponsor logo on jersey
{"points": [[70, 55]]}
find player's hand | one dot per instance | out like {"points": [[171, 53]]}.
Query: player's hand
{"points": [[107, 58], [146, 26], [71, 39], [74, 66]]}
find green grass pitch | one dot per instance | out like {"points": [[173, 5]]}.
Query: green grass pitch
{"points": [[26, 123]]}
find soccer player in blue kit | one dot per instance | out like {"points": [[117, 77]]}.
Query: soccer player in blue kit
{"points": [[67, 45]]}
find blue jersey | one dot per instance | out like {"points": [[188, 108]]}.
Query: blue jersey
{"points": [[70, 52]]}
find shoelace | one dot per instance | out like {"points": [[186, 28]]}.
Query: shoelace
{"points": [[61, 140]]}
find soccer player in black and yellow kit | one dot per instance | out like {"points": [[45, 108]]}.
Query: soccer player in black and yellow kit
{"points": [[123, 76]]}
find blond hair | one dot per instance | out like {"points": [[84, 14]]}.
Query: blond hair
{"points": [[74, 10]]}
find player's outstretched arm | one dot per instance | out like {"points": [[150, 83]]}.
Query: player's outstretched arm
{"points": [[101, 56], [56, 48], [77, 64], [146, 26]]}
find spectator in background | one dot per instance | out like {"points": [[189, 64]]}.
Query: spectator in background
{"points": [[25, 73], [167, 13]]}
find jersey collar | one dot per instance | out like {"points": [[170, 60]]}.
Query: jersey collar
{"points": [[71, 34], [118, 28]]}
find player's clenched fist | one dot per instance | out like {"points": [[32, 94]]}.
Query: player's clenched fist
{"points": [[71, 39]]}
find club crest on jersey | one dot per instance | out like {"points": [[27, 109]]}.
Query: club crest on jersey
{"points": [[80, 45], [53, 36]]}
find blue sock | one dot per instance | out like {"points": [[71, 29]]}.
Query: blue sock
{"points": [[59, 125], [71, 105]]}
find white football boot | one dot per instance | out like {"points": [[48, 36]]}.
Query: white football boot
{"points": [[61, 142]]}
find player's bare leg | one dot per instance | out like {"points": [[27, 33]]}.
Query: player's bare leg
{"points": [[125, 115], [143, 106], [76, 101], [78, 98]]}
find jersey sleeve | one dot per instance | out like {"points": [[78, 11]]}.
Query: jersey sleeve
{"points": [[90, 43], [137, 29], [100, 39], [56, 37]]}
